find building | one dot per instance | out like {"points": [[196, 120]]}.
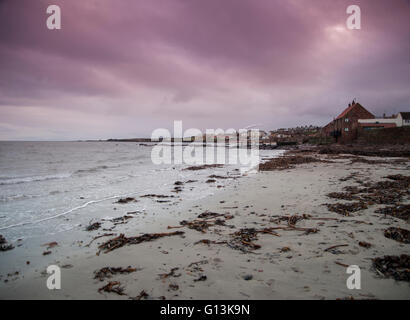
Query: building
{"points": [[344, 128], [399, 120], [404, 117]]}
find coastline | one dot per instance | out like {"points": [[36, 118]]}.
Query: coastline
{"points": [[304, 270]]}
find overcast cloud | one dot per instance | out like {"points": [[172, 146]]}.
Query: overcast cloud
{"points": [[124, 68]]}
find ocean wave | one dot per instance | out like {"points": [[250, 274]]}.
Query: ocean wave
{"points": [[16, 197], [18, 180], [84, 205], [95, 169]]}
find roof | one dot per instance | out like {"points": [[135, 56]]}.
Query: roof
{"points": [[405, 115], [346, 111]]}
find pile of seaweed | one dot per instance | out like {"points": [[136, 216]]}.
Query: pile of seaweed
{"points": [[397, 267], [398, 234], [205, 166], [286, 162], [204, 221], [390, 192], [122, 240], [346, 209], [3, 244], [401, 211], [108, 272]]}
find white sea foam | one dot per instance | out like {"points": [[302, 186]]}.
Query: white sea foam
{"points": [[18, 180]]}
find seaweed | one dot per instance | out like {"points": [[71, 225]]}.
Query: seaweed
{"points": [[122, 240]]}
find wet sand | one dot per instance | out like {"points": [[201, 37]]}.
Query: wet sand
{"points": [[294, 264]]}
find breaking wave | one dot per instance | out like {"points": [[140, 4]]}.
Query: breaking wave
{"points": [[17, 180]]}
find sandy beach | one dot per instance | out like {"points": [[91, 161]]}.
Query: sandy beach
{"points": [[245, 246]]}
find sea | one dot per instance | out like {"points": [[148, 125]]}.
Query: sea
{"points": [[49, 188]]}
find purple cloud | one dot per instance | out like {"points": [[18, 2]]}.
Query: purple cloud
{"points": [[124, 68]]}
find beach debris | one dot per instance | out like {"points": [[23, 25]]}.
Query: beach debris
{"points": [[334, 250], [351, 176], [205, 166], [178, 183], [247, 277], [214, 176], [157, 196], [108, 272], [45, 253], [286, 162], [208, 242], [197, 225], [343, 196], [207, 219], [6, 247], [201, 278], [368, 161], [370, 151], [285, 249], [113, 286], [210, 181], [401, 211], [177, 189], [3, 244], [398, 234], [142, 295], [121, 220], [243, 240], [293, 219], [382, 192], [201, 262], [170, 274], [269, 231], [365, 244], [122, 240], [342, 264], [346, 208], [399, 177], [291, 224], [50, 245], [397, 267], [126, 200], [93, 226], [100, 236], [208, 214], [173, 286]]}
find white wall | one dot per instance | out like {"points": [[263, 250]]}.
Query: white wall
{"points": [[398, 121]]}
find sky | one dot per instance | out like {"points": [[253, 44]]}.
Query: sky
{"points": [[121, 69]]}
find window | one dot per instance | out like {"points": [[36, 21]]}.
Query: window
{"points": [[346, 129], [346, 119]]}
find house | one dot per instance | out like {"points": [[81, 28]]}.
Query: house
{"points": [[345, 126], [399, 120], [403, 119]]}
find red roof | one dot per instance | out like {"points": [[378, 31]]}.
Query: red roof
{"points": [[347, 110]]}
